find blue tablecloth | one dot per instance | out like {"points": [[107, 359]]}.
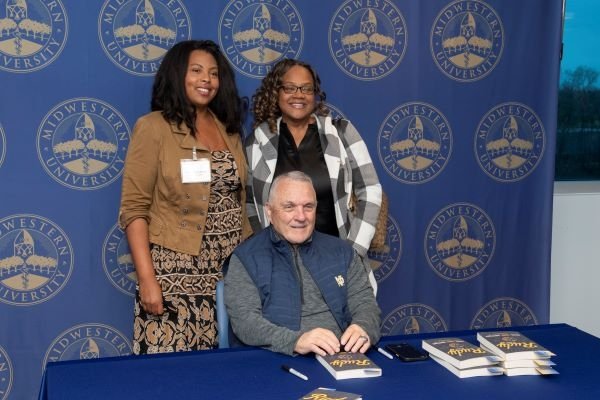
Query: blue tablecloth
{"points": [[255, 373]]}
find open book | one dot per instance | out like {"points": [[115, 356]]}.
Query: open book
{"points": [[344, 365]]}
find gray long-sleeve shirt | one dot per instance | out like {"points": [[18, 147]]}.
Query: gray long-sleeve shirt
{"points": [[245, 311]]}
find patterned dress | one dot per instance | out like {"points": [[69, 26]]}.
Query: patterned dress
{"points": [[188, 282]]}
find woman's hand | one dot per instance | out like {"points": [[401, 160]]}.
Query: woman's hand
{"points": [[151, 298]]}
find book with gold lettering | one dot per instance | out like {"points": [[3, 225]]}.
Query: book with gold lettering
{"points": [[528, 363], [489, 370], [344, 365], [512, 345], [460, 353], [330, 394], [516, 371]]}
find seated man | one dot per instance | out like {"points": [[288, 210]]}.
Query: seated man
{"points": [[291, 289]]}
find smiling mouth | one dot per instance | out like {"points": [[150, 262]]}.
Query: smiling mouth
{"points": [[299, 227]]}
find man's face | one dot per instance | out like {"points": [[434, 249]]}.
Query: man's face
{"points": [[292, 210]]}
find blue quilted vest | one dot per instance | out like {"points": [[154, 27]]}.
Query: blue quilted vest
{"points": [[269, 261]]}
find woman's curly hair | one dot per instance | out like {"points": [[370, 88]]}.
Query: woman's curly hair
{"points": [[169, 95], [265, 99]]}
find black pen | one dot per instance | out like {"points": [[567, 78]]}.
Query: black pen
{"points": [[294, 372]]}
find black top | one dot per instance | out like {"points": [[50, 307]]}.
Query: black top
{"points": [[309, 158]]}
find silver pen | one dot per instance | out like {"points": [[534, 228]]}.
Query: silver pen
{"points": [[294, 372]]}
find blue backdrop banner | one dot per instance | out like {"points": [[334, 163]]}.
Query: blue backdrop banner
{"points": [[456, 101]]}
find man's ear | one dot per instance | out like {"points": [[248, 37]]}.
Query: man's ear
{"points": [[268, 211]]}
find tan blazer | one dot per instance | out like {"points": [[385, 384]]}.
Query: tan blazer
{"points": [[152, 187]]}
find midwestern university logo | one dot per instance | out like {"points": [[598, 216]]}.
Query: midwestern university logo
{"points": [[412, 319], [87, 341], [467, 40], [384, 261], [414, 142], [509, 142], [117, 261], [460, 242], [367, 40], [36, 259], [6, 374], [2, 145], [335, 112], [503, 312], [136, 34], [82, 143], [33, 33], [255, 35]]}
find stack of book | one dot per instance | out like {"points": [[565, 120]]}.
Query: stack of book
{"points": [[520, 355], [462, 358]]}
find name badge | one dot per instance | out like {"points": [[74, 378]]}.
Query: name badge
{"points": [[195, 171]]}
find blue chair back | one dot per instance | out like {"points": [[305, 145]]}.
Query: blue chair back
{"points": [[222, 318]]}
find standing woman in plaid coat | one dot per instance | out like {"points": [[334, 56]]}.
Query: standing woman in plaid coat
{"points": [[293, 131]]}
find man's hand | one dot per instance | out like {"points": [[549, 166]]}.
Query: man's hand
{"points": [[320, 341], [355, 339]]}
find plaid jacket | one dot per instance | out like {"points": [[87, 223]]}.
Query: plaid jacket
{"points": [[350, 170]]}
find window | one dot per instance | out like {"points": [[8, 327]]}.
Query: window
{"points": [[578, 135]]}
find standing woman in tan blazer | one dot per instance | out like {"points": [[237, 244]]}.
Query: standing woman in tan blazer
{"points": [[183, 196]]}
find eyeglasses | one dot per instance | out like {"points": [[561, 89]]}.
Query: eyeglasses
{"points": [[291, 89]]}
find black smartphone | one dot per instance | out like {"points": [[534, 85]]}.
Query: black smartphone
{"points": [[407, 352]]}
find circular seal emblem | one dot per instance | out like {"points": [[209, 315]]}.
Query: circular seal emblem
{"points": [[117, 261], [509, 142], [136, 34], [503, 312], [460, 242], [2, 145], [467, 39], [87, 341], [36, 259], [414, 142], [367, 40], [6, 374], [256, 35], [335, 112], [33, 33], [82, 143], [384, 261], [412, 318]]}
